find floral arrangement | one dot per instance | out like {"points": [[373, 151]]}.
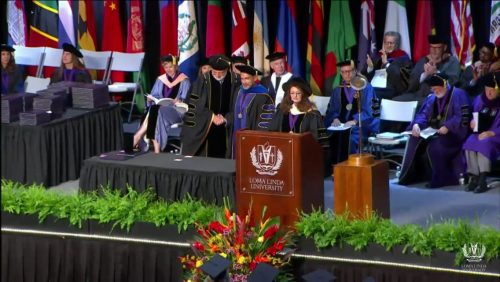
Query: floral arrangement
{"points": [[242, 242]]}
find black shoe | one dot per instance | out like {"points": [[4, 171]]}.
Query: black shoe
{"points": [[483, 186], [473, 181]]}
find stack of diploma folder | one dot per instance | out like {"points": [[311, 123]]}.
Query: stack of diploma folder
{"points": [[90, 96], [12, 105], [34, 117]]}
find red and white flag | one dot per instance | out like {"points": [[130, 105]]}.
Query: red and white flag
{"points": [[239, 45], [462, 36]]}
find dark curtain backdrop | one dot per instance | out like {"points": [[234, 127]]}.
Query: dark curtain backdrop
{"points": [[480, 10]]}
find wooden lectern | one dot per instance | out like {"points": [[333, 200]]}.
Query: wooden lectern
{"points": [[361, 185], [283, 171]]}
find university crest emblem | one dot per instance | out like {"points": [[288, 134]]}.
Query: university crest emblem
{"points": [[267, 159]]}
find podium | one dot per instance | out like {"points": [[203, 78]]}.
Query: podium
{"points": [[361, 185], [282, 171]]}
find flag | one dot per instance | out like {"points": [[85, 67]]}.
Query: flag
{"points": [[396, 20], [135, 43], [135, 38], [239, 43], [168, 40], [43, 28], [314, 63], [495, 23], [367, 38], [215, 29], [16, 21], [260, 37], [86, 31], [66, 28], [112, 38], [287, 37], [187, 38], [462, 36], [341, 39], [423, 27]]}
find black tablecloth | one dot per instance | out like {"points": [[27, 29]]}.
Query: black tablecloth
{"points": [[53, 153], [172, 176]]}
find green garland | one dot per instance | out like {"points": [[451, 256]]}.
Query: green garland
{"points": [[326, 229]]}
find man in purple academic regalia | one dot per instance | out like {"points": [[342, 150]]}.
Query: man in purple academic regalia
{"points": [[483, 146], [438, 158]]}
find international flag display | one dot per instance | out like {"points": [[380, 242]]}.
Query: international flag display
{"points": [[112, 38], [367, 38], [168, 36], [287, 37], [86, 26], [462, 36], [341, 38], [260, 37], [66, 27], [314, 63], [187, 39], [423, 27], [239, 31], [44, 22], [16, 23], [495, 23], [215, 29], [396, 20], [135, 37]]}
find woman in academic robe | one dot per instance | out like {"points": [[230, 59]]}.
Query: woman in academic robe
{"points": [[12, 76], [483, 147], [297, 114], [72, 68], [174, 85], [438, 159]]}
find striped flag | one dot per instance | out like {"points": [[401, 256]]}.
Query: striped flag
{"points": [[396, 20], [260, 37], [462, 36], [495, 23], [215, 29], [16, 22], [66, 28], [423, 27], [341, 38], [367, 37], [287, 37], [239, 43], [314, 63], [168, 40], [86, 26], [135, 37], [43, 28], [187, 38]]}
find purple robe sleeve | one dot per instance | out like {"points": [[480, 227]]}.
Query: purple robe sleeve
{"points": [[333, 111], [458, 100]]}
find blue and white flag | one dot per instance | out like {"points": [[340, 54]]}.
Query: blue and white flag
{"points": [[187, 38], [16, 23], [66, 32], [260, 37]]}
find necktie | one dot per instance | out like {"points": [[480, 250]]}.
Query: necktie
{"points": [[276, 86]]}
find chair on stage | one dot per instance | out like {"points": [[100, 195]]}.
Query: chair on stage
{"points": [[384, 144], [126, 62], [34, 84], [52, 58], [29, 56], [97, 60], [321, 103]]}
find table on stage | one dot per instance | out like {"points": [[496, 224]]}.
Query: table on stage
{"points": [[53, 153], [171, 176]]}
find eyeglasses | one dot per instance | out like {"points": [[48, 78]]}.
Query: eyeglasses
{"points": [[296, 93]]}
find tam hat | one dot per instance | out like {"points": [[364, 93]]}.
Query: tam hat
{"points": [[319, 275], [437, 79], [203, 62], [275, 56], [492, 80], [248, 69], [300, 83], [5, 47], [72, 49], [346, 63], [239, 59], [436, 39], [219, 62], [169, 59]]}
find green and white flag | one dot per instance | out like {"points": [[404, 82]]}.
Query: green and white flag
{"points": [[396, 20], [495, 22]]}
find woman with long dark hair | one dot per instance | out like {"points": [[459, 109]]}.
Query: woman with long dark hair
{"points": [[72, 69], [12, 76]]}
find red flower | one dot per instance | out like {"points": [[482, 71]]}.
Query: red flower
{"points": [[270, 232], [199, 246], [252, 265], [217, 227], [276, 247]]}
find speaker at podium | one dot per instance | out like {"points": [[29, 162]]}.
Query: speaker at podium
{"points": [[283, 171]]}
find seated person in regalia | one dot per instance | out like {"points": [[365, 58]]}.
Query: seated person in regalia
{"points": [[72, 67]]}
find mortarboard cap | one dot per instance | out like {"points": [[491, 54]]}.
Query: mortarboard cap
{"points": [[72, 49], [368, 279], [219, 62], [298, 82], [492, 79], [216, 267], [203, 62], [319, 275], [248, 69], [239, 59], [5, 47], [437, 79], [346, 63], [263, 273], [436, 39], [275, 56], [169, 59]]}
